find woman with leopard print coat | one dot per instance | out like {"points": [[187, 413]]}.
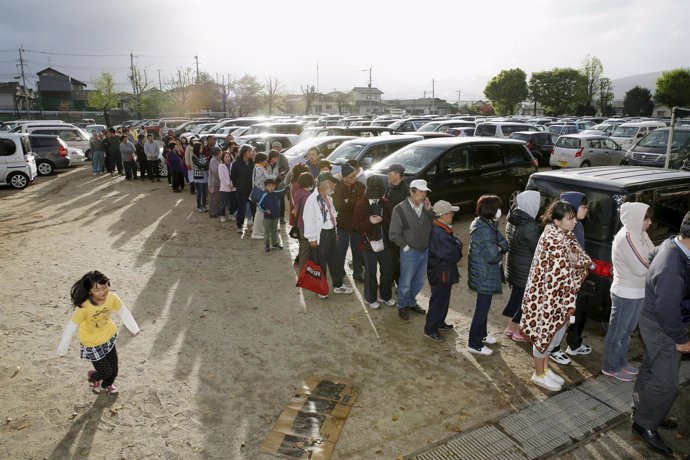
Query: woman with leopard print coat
{"points": [[558, 269]]}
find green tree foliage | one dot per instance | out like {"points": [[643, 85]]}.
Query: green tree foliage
{"points": [[246, 93], [206, 94], [673, 88], [638, 102], [344, 101], [104, 97], [592, 70], [559, 90], [506, 90], [605, 96]]}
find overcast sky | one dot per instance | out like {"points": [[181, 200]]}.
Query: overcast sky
{"points": [[460, 44]]}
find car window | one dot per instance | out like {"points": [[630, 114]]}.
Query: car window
{"points": [[326, 149], [568, 142], [609, 144], [412, 157], [7, 147], [594, 143], [520, 136], [510, 129], [486, 156], [625, 131], [513, 153], [668, 205], [485, 130], [456, 160]]}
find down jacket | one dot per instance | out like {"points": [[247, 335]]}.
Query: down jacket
{"points": [[522, 233], [445, 251], [487, 246]]}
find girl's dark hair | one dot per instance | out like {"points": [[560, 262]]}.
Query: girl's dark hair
{"points": [[172, 145], [260, 157], [246, 148], [325, 164], [488, 205], [305, 180], [273, 154], [559, 210], [648, 214], [80, 289], [297, 170], [197, 148]]}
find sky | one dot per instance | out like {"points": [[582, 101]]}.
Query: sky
{"points": [[412, 47]]}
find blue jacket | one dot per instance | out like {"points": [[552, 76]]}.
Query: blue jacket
{"points": [[445, 251], [575, 199], [487, 246], [175, 162], [667, 291], [271, 201]]}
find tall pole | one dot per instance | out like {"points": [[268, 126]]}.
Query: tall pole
{"points": [[24, 90], [160, 82], [433, 97], [318, 107], [669, 145], [370, 88], [196, 58], [131, 70]]}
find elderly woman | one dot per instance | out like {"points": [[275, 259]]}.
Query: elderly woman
{"points": [[559, 267]]}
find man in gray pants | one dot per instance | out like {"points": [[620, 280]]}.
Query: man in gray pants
{"points": [[664, 328]]}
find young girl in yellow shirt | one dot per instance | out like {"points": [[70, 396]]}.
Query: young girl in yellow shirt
{"points": [[94, 305]]}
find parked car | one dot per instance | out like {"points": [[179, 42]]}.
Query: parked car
{"points": [[25, 126], [93, 129], [651, 149], [73, 136], [559, 129], [280, 128], [539, 144], [76, 156], [461, 169], [17, 162], [262, 142], [627, 134], [666, 191], [164, 125], [359, 131], [582, 150], [407, 125], [442, 126], [501, 128], [461, 132], [50, 153], [369, 150], [325, 144]]}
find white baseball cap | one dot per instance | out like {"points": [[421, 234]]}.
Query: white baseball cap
{"points": [[420, 184]]}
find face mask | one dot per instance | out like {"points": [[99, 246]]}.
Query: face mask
{"points": [[498, 214]]}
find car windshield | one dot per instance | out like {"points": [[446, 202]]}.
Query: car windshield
{"points": [[625, 131], [485, 130], [413, 158], [345, 152], [568, 142], [429, 127], [659, 139], [520, 136], [555, 129], [302, 147]]}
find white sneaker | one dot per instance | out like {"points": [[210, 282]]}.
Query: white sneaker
{"points": [[545, 382], [250, 222], [390, 302], [222, 219], [489, 339], [486, 351], [560, 358], [557, 379], [343, 290], [257, 237], [581, 350], [323, 296], [374, 305]]}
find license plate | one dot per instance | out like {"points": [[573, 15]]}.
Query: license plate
{"points": [[563, 164]]}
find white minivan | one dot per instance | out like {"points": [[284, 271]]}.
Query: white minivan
{"points": [[17, 163], [74, 137], [628, 134]]}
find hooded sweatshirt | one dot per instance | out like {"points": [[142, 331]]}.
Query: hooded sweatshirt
{"points": [[575, 199], [630, 253], [522, 233]]}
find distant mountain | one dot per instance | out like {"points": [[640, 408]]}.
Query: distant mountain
{"points": [[625, 84]]}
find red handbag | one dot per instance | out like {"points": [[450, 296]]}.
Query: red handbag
{"points": [[312, 277]]}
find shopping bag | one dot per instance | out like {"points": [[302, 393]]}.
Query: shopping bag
{"points": [[312, 277]]}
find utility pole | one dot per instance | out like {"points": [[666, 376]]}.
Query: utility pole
{"points": [[160, 82], [318, 107], [196, 58], [433, 97], [459, 98], [131, 70], [24, 89]]}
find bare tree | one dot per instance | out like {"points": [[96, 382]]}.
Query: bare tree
{"points": [[309, 93], [140, 83], [271, 93], [180, 85]]}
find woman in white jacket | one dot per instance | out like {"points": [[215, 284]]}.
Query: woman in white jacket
{"points": [[631, 252]]}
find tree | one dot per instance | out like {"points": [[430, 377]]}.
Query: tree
{"points": [[104, 97], [506, 90], [559, 90], [592, 71], [274, 99], [673, 88], [343, 100], [309, 93], [180, 84], [140, 83], [205, 94], [638, 102], [246, 95], [605, 96]]}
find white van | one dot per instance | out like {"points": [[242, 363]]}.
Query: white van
{"points": [[17, 163], [74, 137], [26, 126], [502, 129], [628, 134]]}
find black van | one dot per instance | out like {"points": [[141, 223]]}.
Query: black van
{"points": [[461, 169], [666, 191]]}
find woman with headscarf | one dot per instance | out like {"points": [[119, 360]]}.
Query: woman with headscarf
{"points": [[522, 233]]}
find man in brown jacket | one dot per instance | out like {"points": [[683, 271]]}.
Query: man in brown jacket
{"points": [[346, 195]]}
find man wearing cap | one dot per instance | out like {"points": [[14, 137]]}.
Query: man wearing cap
{"points": [[445, 251], [359, 172], [321, 230], [396, 193], [346, 195], [410, 229]]}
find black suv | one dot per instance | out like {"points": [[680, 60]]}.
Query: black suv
{"points": [[461, 169], [539, 144], [651, 149], [51, 153], [666, 191]]}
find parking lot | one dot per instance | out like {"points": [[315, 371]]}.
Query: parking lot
{"points": [[226, 337]]}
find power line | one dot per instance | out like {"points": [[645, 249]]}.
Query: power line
{"points": [[75, 54]]}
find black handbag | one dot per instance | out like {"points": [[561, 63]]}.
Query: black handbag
{"points": [[294, 232]]}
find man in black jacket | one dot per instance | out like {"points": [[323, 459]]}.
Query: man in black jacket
{"points": [[396, 193], [664, 328], [241, 177]]}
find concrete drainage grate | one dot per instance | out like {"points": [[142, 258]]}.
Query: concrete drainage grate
{"points": [[613, 392], [483, 443]]}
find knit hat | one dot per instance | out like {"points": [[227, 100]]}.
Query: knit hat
{"points": [[375, 188], [346, 169]]}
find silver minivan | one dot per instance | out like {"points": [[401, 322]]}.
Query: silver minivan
{"points": [[73, 136], [17, 163], [581, 150]]}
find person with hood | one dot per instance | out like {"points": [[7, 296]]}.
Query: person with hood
{"points": [[522, 233], [664, 324], [557, 272], [574, 337], [372, 218], [631, 252], [487, 246], [445, 251]]}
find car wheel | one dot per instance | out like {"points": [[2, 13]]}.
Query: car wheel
{"points": [[512, 199], [88, 155], [163, 169], [18, 180], [585, 164], [45, 168], [555, 167]]}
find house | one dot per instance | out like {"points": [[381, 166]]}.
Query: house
{"points": [[420, 106], [15, 97], [663, 111], [58, 91], [367, 100]]}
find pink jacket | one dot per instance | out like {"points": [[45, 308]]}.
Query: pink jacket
{"points": [[224, 176]]}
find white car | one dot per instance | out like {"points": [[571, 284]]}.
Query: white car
{"points": [[582, 150], [76, 156], [17, 163]]}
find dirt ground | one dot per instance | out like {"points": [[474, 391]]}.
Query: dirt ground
{"points": [[226, 337]]}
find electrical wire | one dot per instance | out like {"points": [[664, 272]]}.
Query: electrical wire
{"points": [[74, 54]]}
